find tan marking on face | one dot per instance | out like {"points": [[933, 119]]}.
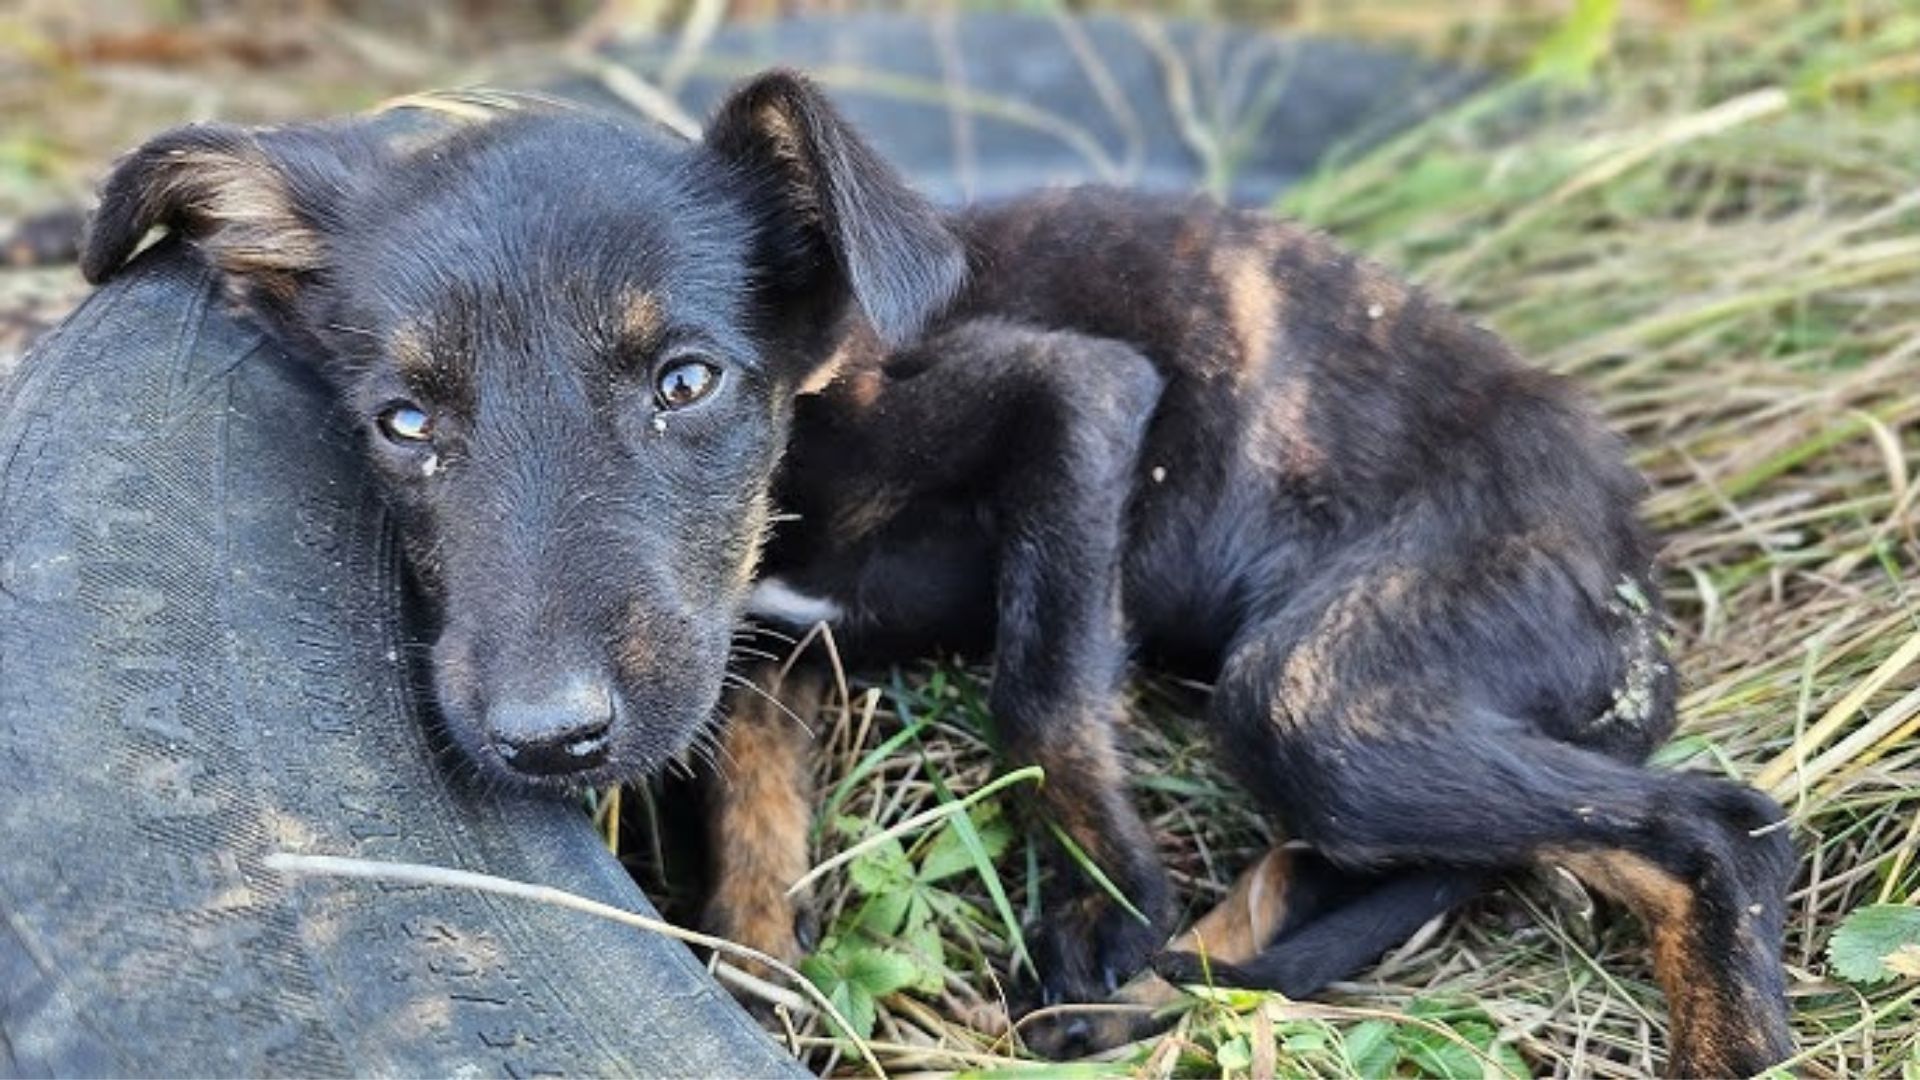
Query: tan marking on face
{"points": [[823, 376], [858, 350], [408, 348], [861, 389], [641, 317], [758, 527]]}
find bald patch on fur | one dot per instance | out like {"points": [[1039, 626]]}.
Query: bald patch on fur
{"points": [[1280, 437], [1312, 688], [1244, 274]]}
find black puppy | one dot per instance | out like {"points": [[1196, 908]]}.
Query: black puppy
{"points": [[1055, 430]]}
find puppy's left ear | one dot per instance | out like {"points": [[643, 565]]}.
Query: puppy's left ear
{"points": [[837, 207]]}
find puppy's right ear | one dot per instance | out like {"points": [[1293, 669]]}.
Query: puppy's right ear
{"points": [[258, 204]]}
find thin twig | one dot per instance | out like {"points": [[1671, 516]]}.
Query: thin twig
{"points": [[419, 874]]}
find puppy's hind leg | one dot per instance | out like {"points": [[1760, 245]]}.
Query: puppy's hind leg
{"points": [[1381, 773], [1292, 922], [1339, 936]]}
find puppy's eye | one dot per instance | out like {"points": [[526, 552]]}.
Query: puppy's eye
{"points": [[405, 422], [684, 382]]}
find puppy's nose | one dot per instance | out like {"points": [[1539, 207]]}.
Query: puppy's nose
{"points": [[560, 733]]}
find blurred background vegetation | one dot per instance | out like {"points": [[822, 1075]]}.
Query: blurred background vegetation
{"points": [[82, 79], [1706, 212]]}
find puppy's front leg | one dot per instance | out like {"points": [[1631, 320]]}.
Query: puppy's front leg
{"points": [[1087, 942], [1074, 411], [1033, 438], [759, 810]]}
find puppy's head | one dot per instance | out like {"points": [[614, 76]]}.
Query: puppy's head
{"points": [[572, 346]]}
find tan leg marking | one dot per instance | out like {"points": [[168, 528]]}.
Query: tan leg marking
{"points": [[761, 817], [1241, 925]]}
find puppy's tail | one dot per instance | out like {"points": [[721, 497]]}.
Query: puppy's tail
{"points": [[1340, 939]]}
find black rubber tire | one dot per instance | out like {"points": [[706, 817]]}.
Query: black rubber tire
{"points": [[199, 665], [990, 104]]}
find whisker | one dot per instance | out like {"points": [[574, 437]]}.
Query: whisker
{"points": [[762, 630], [748, 684]]}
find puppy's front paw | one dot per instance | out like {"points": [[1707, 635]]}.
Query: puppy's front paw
{"points": [[782, 927], [1073, 1033], [1084, 956], [1087, 951]]}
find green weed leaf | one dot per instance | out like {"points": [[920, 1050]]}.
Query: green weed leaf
{"points": [[1234, 1055], [1371, 1050], [949, 854], [1877, 943]]}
